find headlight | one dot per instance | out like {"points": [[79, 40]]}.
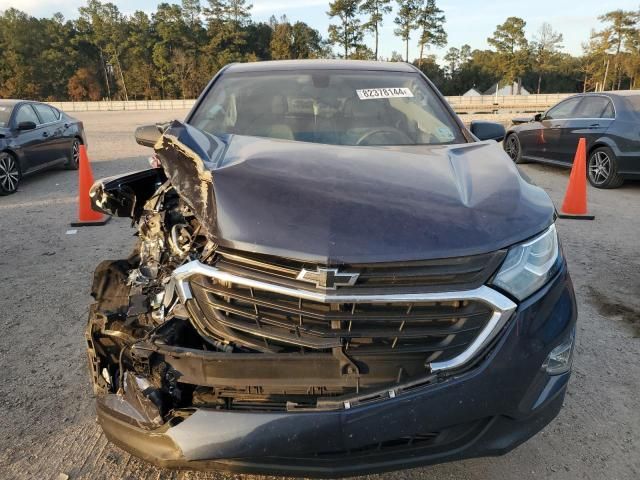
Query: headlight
{"points": [[530, 265]]}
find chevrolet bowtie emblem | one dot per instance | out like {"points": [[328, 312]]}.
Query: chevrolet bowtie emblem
{"points": [[328, 278]]}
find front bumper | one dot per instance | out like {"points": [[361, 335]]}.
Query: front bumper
{"points": [[488, 410]]}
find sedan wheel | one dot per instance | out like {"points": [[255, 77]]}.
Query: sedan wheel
{"points": [[9, 174], [603, 169], [512, 147], [74, 156]]}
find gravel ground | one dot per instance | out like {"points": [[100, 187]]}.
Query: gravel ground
{"points": [[49, 427]]}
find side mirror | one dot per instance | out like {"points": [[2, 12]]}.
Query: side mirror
{"points": [[26, 126], [488, 130], [537, 117], [148, 135]]}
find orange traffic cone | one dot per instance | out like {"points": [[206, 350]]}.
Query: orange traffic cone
{"points": [[575, 200], [86, 215]]}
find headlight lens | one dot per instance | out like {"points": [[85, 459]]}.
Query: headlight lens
{"points": [[530, 265]]}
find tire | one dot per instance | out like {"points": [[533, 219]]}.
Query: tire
{"points": [[512, 146], [9, 174], [602, 169], [74, 156]]}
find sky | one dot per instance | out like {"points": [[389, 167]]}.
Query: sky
{"points": [[468, 21]]}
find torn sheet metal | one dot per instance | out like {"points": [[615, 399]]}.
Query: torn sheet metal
{"points": [[188, 156]]}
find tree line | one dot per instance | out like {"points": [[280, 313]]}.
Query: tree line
{"points": [[173, 52]]}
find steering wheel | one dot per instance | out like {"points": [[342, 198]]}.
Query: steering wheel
{"points": [[394, 131]]}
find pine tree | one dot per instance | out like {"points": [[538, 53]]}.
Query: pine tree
{"points": [[545, 47], [348, 33], [406, 20], [375, 9], [281, 39], [622, 27], [512, 48], [431, 23]]}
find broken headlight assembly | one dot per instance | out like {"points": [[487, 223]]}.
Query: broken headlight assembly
{"points": [[530, 265], [560, 359]]}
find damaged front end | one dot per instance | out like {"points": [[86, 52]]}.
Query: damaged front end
{"points": [[201, 352], [135, 306], [134, 301]]}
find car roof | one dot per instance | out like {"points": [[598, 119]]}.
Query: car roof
{"points": [[276, 65], [623, 93], [610, 93]]}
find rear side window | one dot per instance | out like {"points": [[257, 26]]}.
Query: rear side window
{"points": [[595, 107], [46, 113], [26, 114], [563, 110], [57, 113]]}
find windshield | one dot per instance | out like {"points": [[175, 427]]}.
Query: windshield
{"points": [[5, 115], [333, 106]]}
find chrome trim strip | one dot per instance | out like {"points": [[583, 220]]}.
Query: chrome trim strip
{"points": [[495, 324], [501, 305]]}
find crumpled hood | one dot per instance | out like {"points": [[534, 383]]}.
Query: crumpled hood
{"points": [[340, 204]]}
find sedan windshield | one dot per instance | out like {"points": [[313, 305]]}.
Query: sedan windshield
{"points": [[5, 115], [333, 107]]}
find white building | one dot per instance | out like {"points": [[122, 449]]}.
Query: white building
{"points": [[472, 92], [507, 90]]}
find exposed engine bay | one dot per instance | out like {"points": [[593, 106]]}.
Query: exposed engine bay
{"points": [[187, 323]]}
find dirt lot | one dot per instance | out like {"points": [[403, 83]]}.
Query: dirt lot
{"points": [[48, 424]]}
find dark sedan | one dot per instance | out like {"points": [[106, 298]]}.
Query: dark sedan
{"points": [[610, 121], [33, 137]]}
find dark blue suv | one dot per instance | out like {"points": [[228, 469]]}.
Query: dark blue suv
{"points": [[333, 276]]}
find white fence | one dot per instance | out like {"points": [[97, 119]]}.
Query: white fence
{"points": [[121, 105], [511, 103], [478, 104]]}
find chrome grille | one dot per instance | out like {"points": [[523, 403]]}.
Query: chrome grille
{"points": [[436, 330], [399, 332]]}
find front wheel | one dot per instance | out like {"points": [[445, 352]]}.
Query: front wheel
{"points": [[602, 169], [513, 148], [9, 174], [74, 156]]}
